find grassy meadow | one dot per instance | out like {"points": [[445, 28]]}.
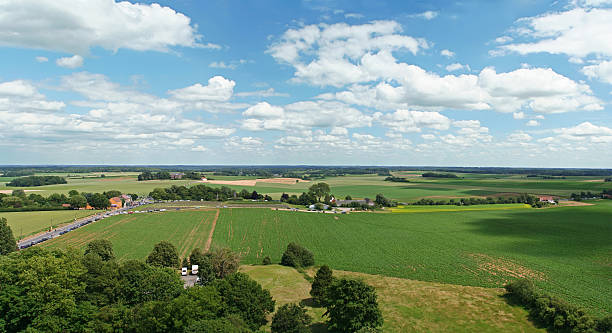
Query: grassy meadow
{"points": [[449, 307], [28, 223], [565, 250]]}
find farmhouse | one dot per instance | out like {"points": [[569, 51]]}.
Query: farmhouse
{"points": [[115, 203], [546, 198], [176, 175]]}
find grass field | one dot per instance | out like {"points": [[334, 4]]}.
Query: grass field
{"points": [[133, 236], [27, 223], [452, 208], [565, 250], [448, 307]]}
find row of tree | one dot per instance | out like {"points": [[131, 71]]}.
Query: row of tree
{"points": [[30, 181], [591, 195], [397, 179], [523, 198], [438, 175], [20, 201]]}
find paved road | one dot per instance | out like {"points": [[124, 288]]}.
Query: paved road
{"points": [[25, 243]]}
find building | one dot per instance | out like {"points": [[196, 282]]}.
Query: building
{"points": [[176, 175], [115, 202], [546, 198]]}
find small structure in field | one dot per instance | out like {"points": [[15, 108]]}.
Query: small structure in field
{"points": [[176, 175], [115, 202], [546, 198]]}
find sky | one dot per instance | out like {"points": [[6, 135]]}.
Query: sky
{"points": [[324, 82]]}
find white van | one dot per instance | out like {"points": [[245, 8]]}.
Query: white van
{"points": [[194, 269], [184, 271]]}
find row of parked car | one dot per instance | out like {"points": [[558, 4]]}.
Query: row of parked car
{"points": [[81, 223]]}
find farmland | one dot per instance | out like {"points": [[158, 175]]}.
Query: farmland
{"points": [[449, 307], [565, 250], [133, 236], [27, 223]]}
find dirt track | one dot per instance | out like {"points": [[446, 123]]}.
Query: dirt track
{"points": [[212, 231]]}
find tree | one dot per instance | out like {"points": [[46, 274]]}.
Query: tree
{"points": [[319, 190], [73, 193], [291, 318], [112, 193], [7, 239], [19, 193], [352, 305], [99, 201], [102, 248], [77, 201], [224, 262], [297, 256], [323, 279], [267, 260], [185, 263], [196, 257], [164, 254], [246, 298]]}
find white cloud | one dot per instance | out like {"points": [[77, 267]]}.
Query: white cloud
{"points": [[353, 15], [519, 136], [76, 26], [412, 121], [339, 50], [199, 148], [518, 115], [601, 71], [218, 89], [503, 39], [427, 15], [270, 92], [70, 62], [41, 59], [428, 137], [447, 53], [532, 123], [585, 129], [263, 110], [457, 66], [230, 65], [577, 32]]}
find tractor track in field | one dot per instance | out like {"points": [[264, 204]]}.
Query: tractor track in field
{"points": [[212, 231]]}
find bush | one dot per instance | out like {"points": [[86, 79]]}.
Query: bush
{"points": [[267, 260], [552, 312], [224, 262], [291, 318], [101, 247], [297, 256]]}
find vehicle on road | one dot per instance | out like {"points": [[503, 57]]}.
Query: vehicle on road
{"points": [[184, 271], [194, 269]]}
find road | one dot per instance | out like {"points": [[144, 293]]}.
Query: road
{"points": [[25, 243]]}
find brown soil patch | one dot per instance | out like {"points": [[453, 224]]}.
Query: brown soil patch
{"points": [[594, 181], [212, 231], [11, 191], [574, 203], [504, 267]]}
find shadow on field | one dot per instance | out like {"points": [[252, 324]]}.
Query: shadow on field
{"points": [[553, 232]]}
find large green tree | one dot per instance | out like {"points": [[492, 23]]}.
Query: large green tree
{"points": [[352, 305], [164, 254], [7, 239], [102, 248], [323, 279], [224, 262], [319, 190], [291, 318], [77, 201], [99, 201]]}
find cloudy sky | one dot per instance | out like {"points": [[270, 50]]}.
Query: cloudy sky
{"points": [[465, 83]]}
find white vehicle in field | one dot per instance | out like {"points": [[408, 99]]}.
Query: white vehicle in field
{"points": [[184, 271], [194, 269]]}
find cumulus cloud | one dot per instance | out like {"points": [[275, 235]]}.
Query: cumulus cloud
{"points": [[413, 121], [532, 123], [41, 59], [577, 32], [218, 89], [601, 71], [229, 65], [457, 67], [518, 115], [70, 62], [447, 53], [75, 26], [339, 50], [263, 110], [427, 15]]}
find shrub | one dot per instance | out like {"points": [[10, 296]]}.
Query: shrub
{"points": [[164, 254], [291, 318], [224, 262], [267, 260], [297, 256], [101, 247]]}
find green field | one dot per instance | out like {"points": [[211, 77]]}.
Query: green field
{"points": [[133, 236], [450, 308], [453, 208], [565, 250], [27, 223]]}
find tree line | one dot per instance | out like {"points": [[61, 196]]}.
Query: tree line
{"points": [[438, 175], [161, 175], [523, 198], [397, 179], [20, 201], [605, 193], [30, 181]]}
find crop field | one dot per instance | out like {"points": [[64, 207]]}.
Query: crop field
{"points": [[26, 223], [449, 307], [451, 208], [566, 251], [133, 236]]}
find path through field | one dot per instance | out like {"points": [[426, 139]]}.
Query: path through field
{"points": [[212, 231]]}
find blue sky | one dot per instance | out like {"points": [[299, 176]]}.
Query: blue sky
{"points": [[466, 83]]}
